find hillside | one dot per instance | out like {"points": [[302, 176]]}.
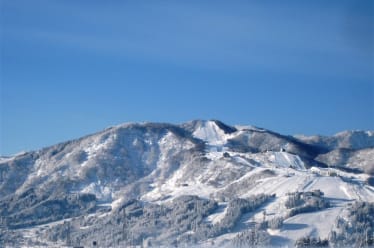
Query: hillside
{"points": [[201, 183]]}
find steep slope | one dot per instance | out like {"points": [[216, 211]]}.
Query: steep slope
{"points": [[102, 165]]}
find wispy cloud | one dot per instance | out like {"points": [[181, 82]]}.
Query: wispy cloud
{"points": [[244, 36]]}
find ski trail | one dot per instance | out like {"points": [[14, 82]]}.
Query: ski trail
{"points": [[310, 183]]}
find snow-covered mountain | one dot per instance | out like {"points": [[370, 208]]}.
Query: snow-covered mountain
{"points": [[354, 140], [203, 183]]}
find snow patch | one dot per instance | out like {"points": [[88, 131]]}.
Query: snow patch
{"points": [[97, 145], [218, 214], [287, 160], [211, 133], [102, 192]]}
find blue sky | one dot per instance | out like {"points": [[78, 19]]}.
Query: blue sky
{"points": [[69, 68]]}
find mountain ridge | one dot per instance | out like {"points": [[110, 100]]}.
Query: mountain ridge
{"points": [[301, 137]]}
